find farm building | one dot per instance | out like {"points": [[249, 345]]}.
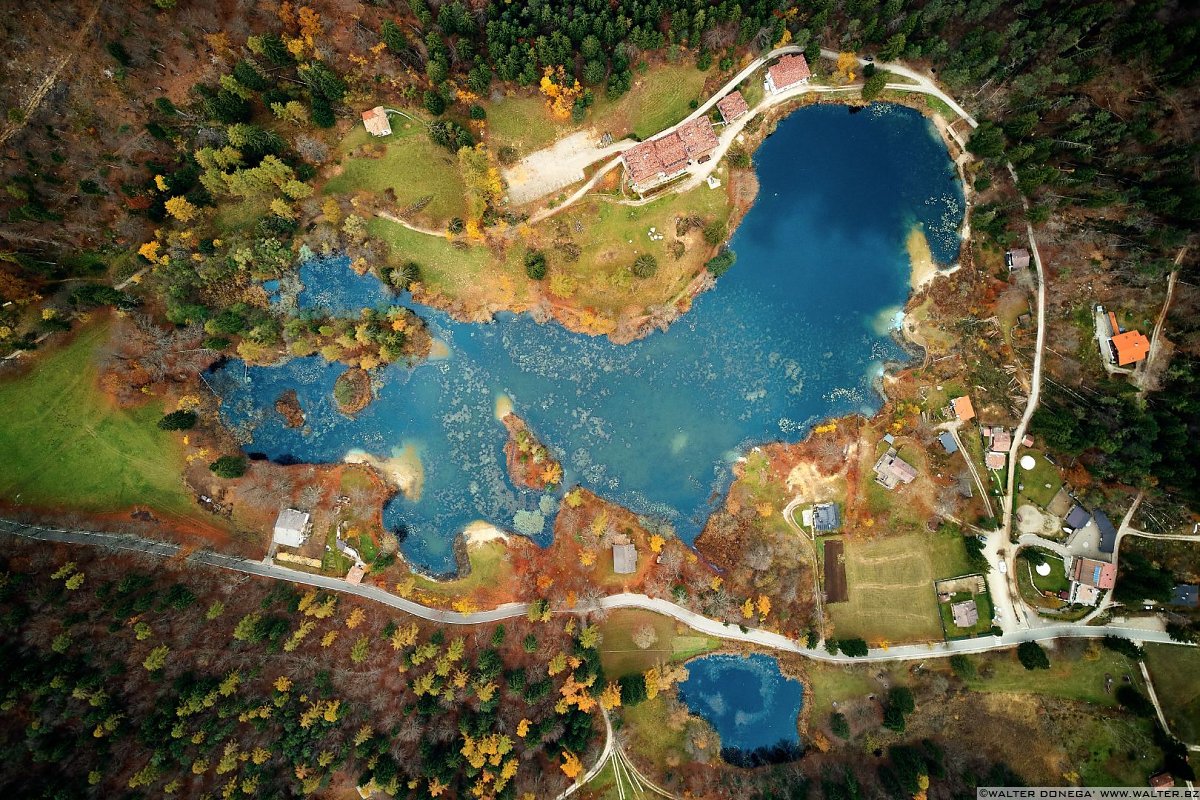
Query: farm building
{"points": [[376, 122], [291, 528]]}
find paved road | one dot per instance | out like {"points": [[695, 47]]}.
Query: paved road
{"points": [[698, 622], [728, 134]]}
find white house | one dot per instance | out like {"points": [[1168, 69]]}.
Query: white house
{"points": [[291, 528]]}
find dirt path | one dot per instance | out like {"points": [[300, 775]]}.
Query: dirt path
{"points": [[39, 94], [1146, 371]]}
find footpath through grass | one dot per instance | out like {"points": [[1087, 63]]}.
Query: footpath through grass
{"points": [[1175, 672], [67, 446]]}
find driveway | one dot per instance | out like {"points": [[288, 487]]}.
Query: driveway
{"points": [[558, 166]]}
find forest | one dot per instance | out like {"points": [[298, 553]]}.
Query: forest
{"points": [[166, 679]]}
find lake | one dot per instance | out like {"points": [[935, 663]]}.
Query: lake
{"points": [[750, 704], [797, 332]]}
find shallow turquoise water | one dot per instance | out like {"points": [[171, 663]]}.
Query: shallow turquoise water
{"points": [[790, 336], [746, 699]]}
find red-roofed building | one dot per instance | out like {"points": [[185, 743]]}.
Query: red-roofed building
{"points": [[658, 160], [1091, 572], [1129, 347], [671, 153], [732, 106], [643, 165], [698, 139], [787, 72], [963, 409]]}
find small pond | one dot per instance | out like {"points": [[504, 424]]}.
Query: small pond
{"points": [[798, 331], [750, 704]]}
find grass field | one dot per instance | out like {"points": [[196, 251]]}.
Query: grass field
{"points": [[609, 236], [660, 98], [66, 445], [1175, 671], [614, 235], [409, 164], [891, 586], [1041, 483], [620, 656], [1029, 582], [1072, 676], [490, 568]]}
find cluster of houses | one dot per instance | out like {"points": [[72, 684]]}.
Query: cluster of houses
{"points": [[665, 157], [655, 161]]}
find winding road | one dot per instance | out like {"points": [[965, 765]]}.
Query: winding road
{"points": [[698, 622]]}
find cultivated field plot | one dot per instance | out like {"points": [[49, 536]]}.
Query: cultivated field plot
{"points": [[835, 572], [1174, 670], [890, 586]]}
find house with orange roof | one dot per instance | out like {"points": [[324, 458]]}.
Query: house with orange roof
{"points": [[1129, 347], [963, 410], [1124, 347]]}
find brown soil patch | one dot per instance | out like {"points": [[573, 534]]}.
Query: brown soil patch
{"points": [[836, 590]]}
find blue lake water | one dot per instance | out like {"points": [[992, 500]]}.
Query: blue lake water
{"points": [[747, 700], [795, 333]]}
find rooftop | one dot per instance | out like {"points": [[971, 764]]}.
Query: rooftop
{"points": [[376, 121], [1078, 517], [948, 443], [732, 106], [291, 520], [1091, 572], [963, 409], [624, 559], [965, 613], [994, 460], [1108, 534], [642, 162], [891, 470], [788, 71], [698, 138], [1017, 259], [1131, 347], [826, 517]]}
